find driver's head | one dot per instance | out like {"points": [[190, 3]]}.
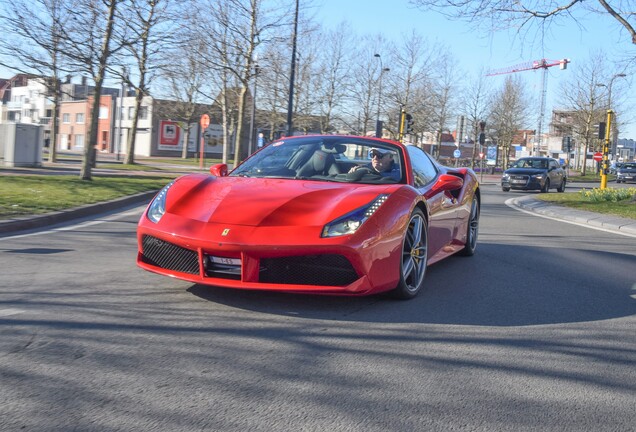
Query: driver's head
{"points": [[381, 159]]}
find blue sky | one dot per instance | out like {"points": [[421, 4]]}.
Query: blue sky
{"points": [[482, 49]]}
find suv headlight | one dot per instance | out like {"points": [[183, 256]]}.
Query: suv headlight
{"points": [[349, 223]]}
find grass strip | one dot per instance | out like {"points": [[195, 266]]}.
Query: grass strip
{"points": [[38, 194]]}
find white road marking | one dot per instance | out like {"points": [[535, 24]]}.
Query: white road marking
{"points": [[80, 225]]}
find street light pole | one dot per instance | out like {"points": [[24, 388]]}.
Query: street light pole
{"points": [[253, 116], [292, 75], [609, 106], [378, 124]]}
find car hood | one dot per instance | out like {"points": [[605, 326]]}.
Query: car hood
{"points": [[266, 202], [526, 171]]}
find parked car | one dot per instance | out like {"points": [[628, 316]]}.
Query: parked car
{"points": [[626, 173], [534, 173], [313, 214]]}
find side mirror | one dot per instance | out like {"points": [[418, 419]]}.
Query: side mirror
{"points": [[219, 170], [447, 182]]}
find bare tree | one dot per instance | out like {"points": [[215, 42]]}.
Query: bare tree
{"points": [[35, 48], [88, 46], [476, 103], [365, 83], [509, 114], [440, 99], [239, 27], [335, 69], [583, 95], [147, 37], [522, 14], [186, 76]]}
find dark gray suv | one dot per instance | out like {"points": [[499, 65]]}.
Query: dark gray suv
{"points": [[534, 173]]}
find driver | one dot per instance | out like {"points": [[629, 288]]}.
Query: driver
{"points": [[381, 164]]}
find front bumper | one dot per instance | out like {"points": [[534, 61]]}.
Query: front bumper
{"points": [[275, 261], [522, 182]]}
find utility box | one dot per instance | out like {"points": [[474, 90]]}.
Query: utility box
{"points": [[21, 144]]}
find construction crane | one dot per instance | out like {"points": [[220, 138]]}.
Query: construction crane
{"points": [[535, 65]]}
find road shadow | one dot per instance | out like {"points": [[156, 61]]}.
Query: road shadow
{"points": [[548, 289]]}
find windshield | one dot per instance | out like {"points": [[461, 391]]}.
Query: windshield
{"points": [[531, 163], [326, 158], [628, 166]]}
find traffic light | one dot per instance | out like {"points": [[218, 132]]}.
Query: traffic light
{"points": [[566, 144], [601, 130], [408, 127]]}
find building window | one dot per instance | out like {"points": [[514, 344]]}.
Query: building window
{"points": [[103, 112], [143, 113], [79, 141], [66, 118], [79, 118]]}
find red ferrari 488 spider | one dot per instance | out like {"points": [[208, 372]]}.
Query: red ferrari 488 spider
{"points": [[314, 214]]}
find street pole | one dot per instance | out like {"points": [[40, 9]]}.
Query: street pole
{"points": [[253, 116], [378, 124], [290, 103], [605, 164]]}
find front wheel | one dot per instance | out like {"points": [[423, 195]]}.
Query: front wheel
{"points": [[414, 257], [561, 187], [505, 189], [472, 230], [546, 186]]}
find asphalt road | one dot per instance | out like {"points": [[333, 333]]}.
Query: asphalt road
{"points": [[533, 333]]}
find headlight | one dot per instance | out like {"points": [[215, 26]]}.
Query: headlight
{"points": [[158, 205], [349, 223], [505, 176], [538, 176]]}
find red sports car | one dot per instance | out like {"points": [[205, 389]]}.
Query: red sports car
{"points": [[314, 214]]}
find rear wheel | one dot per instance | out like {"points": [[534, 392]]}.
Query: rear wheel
{"points": [[414, 257], [473, 230], [546, 186]]}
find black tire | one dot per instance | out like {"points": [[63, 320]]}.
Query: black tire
{"points": [[505, 189], [546, 186], [561, 187], [472, 230], [413, 262]]}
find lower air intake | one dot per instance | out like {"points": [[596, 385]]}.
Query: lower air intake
{"points": [[321, 270], [169, 256]]}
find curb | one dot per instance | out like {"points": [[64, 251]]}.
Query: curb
{"points": [[38, 221], [609, 222]]}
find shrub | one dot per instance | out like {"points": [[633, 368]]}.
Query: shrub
{"points": [[608, 194]]}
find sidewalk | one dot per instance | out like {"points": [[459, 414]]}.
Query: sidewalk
{"points": [[526, 202]]}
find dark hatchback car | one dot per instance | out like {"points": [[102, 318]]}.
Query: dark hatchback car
{"points": [[534, 173], [626, 173]]}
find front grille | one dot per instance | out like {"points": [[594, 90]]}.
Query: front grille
{"points": [[332, 270], [519, 177], [169, 256]]}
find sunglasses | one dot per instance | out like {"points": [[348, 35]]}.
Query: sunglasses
{"points": [[376, 155]]}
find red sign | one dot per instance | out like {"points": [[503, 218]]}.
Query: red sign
{"points": [[598, 156], [168, 133], [205, 121]]}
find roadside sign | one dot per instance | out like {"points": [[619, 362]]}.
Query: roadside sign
{"points": [[457, 153], [205, 121], [598, 156]]}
